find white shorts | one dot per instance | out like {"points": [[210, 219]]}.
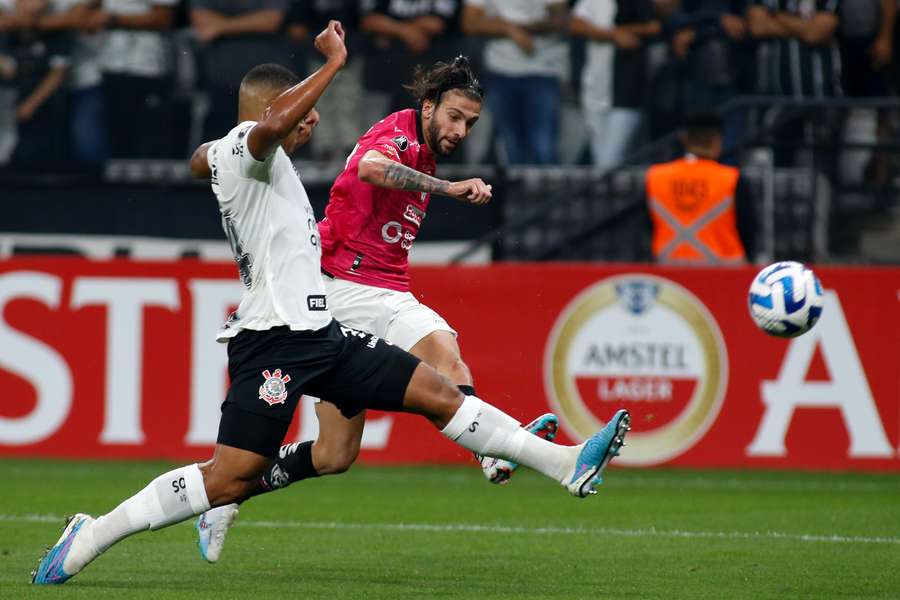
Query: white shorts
{"points": [[395, 316]]}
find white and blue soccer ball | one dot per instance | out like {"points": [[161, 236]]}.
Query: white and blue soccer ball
{"points": [[786, 299]]}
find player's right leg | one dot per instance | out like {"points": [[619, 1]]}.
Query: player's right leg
{"points": [[170, 498], [484, 429]]}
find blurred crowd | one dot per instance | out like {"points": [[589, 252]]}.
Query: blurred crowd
{"points": [[581, 81]]}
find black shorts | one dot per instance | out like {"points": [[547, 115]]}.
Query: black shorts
{"points": [[271, 369]]}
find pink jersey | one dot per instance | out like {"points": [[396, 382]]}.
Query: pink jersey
{"points": [[368, 230]]}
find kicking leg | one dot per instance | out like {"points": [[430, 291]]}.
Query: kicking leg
{"points": [[484, 429], [170, 498], [441, 350]]}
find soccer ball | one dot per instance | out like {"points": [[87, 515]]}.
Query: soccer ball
{"points": [[786, 299]]}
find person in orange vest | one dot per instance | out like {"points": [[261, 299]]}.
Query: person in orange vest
{"points": [[701, 214]]}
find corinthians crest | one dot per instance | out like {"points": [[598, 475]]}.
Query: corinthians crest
{"points": [[274, 388]]}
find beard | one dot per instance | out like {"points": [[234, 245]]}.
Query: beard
{"points": [[433, 135]]}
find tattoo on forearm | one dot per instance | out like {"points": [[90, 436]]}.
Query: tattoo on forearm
{"points": [[405, 178]]}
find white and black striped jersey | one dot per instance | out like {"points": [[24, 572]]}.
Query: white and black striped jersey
{"points": [[791, 67], [270, 224]]}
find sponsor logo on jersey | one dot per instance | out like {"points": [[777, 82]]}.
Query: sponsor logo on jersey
{"points": [[643, 343], [316, 302], [401, 142], [414, 214], [274, 388]]}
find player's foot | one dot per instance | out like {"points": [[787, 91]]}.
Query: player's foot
{"points": [[498, 470], [68, 556], [211, 529], [596, 453]]}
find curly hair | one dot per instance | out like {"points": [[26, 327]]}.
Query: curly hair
{"points": [[442, 77]]}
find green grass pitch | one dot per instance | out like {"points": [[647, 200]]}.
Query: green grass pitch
{"points": [[444, 532]]}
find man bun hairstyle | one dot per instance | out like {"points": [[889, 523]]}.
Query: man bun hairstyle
{"points": [[271, 76], [442, 77]]}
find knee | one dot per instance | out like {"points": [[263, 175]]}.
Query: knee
{"points": [[456, 371]]}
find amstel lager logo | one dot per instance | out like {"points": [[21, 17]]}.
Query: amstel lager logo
{"points": [[643, 343]]}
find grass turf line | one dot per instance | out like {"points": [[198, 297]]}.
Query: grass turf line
{"points": [[440, 532]]}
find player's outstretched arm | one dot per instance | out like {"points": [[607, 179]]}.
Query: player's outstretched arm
{"points": [[294, 104], [377, 169]]}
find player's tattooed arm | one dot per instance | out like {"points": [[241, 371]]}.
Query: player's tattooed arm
{"points": [[378, 169]]}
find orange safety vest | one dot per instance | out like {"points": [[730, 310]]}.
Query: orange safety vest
{"points": [[692, 209]]}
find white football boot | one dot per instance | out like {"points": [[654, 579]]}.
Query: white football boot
{"points": [[211, 529]]}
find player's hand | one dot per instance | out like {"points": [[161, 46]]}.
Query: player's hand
{"points": [[474, 191], [331, 43]]}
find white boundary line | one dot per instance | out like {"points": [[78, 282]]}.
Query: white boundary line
{"points": [[502, 529]]}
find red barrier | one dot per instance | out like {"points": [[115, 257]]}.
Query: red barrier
{"points": [[118, 359]]}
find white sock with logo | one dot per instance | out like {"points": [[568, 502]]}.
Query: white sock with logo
{"points": [[488, 431], [168, 499]]}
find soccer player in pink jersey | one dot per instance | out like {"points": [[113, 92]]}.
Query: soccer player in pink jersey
{"points": [[375, 209]]}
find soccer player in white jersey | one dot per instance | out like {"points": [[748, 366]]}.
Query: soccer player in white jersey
{"points": [[283, 341], [376, 207]]}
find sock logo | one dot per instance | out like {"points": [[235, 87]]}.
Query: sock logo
{"points": [[274, 388], [278, 477]]}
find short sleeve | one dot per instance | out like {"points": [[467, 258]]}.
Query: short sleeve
{"points": [[393, 145], [233, 155], [476, 3]]}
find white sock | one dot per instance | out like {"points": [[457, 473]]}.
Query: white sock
{"points": [[168, 499], [488, 431]]}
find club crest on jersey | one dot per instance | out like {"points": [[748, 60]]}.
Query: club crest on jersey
{"points": [[274, 388], [401, 142]]}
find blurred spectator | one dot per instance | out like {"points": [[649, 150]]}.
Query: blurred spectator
{"points": [[36, 63], [7, 92], [708, 36], [525, 61], [234, 36], [87, 119], [710, 42], [867, 46], [137, 84], [798, 53], [401, 34], [610, 99], [339, 107], [701, 214]]}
